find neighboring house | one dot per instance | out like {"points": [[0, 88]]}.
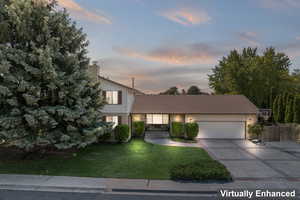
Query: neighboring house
{"points": [[265, 113], [218, 116]]}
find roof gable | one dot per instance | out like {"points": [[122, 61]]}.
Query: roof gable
{"points": [[121, 85]]}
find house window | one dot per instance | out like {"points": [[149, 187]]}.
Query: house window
{"points": [[112, 97], [157, 119], [113, 119]]}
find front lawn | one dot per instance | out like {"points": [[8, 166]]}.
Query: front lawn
{"points": [[136, 159]]}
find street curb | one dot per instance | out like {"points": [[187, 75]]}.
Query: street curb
{"points": [[101, 190], [52, 188], [165, 191]]}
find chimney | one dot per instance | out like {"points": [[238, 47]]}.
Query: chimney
{"points": [[96, 67], [132, 82]]}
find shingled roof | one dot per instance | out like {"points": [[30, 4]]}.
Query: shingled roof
{"points": [[192, 104]]}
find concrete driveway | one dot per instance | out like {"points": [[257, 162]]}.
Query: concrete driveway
{"points": [[248, 161]]}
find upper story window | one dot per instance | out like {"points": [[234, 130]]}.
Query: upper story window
{"points": [[113, 97]]}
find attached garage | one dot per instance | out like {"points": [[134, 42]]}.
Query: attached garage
{"points": [[221, 130]]}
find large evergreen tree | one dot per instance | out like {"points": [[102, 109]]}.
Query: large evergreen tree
{"points": [[46, 97]]}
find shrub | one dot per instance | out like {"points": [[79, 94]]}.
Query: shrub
{"points": [[177, 129], [200, 171], [255, 130], [122, 133], [105, 131], [191, 130], [138, 128], [106, 136]]}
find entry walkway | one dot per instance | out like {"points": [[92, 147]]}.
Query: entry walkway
{"points": [[163, 138]]}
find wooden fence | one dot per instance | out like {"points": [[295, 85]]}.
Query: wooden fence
{"points": [[282, 132]]}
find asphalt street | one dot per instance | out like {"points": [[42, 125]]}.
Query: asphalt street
{"points": [[38, 195]]}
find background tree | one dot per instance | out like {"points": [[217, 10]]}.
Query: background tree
{"points": [[296, 108], [275, 111], [286, 108], [289, 112], [296, 80], [46, 97], [194, 90], [258, 77], [171, 91]]}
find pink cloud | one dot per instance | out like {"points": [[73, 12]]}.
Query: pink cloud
{"points": [[184, 55], [186, 16], [82, 13]]}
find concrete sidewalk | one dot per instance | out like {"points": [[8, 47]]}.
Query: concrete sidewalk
{"points": [[51, 183], [102, 185]]}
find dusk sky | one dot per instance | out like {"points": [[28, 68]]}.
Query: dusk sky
{"points": [[164, 43]]}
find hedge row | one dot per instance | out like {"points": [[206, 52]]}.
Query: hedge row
{"points": [[121, 134], [286, 108], [200, 171], [181, 130]]}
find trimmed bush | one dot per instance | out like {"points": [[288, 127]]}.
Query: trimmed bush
{"points": [[106, 132], [200, 171], [138, 128], [255, 130], [191, 130], [122, 133], [177, 129]]}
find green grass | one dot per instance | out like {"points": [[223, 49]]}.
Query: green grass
{"points": [[136, 159], [183, 140]]}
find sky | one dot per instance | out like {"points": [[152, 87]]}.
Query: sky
{"points": [[165, 43]]}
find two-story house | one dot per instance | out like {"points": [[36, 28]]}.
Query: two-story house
{"points": [[218, 116]]}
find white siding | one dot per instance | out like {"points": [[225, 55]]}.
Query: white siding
{"points": [[127, 98]]}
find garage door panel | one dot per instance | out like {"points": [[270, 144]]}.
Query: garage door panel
{"points": [[221, 130]]}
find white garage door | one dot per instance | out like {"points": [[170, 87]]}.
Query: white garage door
{"points": [[221, 130]]}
